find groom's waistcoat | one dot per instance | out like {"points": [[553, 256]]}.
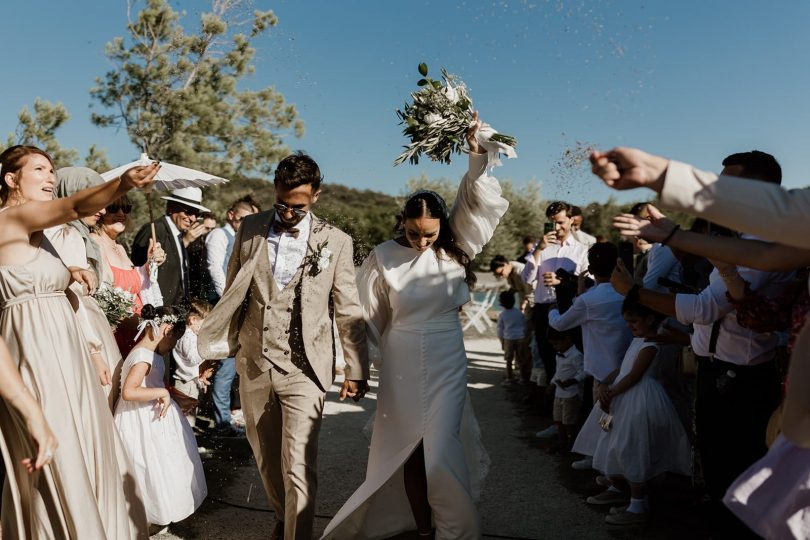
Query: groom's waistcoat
{"points": [[253, 316], [283, 341]]}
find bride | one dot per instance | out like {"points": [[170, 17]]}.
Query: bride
{"points": [[411, 289]]}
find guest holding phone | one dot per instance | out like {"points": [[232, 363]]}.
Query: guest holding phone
{"points": [[557, 249]]}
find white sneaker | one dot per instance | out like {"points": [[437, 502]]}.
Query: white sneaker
{"points": [[583, 464], [549, 433]]}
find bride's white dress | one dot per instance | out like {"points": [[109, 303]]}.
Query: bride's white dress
{"points": [[411, 304]]}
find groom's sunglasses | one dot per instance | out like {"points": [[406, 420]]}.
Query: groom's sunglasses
{"points": [[114, 208], [283, 209]]}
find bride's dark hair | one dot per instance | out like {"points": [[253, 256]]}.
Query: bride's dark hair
{"points": [[425, 203]]}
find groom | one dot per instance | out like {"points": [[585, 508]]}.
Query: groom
{"points": [[289, 274]]}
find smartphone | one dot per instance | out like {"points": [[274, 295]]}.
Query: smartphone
{"points": [[547, 228]]}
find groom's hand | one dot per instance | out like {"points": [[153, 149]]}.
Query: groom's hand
{"points": [[353, 389]]}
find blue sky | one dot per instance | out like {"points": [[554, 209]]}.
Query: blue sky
{"points": [[692, 80]]}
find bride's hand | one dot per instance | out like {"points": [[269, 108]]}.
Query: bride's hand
{"points": [[102, 369], [472, 141]]}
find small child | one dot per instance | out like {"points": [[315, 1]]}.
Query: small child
{"points": [[641, 435], [187, 379], [158, 441], [511, 332], [568, 386]]}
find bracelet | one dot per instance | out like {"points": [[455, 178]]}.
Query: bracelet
{"points": [[632, 294], [675, 229]]}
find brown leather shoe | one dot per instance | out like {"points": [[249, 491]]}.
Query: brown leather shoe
{"points": [[278, 531]]}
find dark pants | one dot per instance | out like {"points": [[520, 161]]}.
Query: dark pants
{"points": [[732, 407], [547, 353]]}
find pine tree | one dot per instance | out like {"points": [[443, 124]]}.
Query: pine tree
{"points": [[178, 94]]}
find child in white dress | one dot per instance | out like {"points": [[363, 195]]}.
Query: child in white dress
{"points": [[158, 440], [642, 436]]}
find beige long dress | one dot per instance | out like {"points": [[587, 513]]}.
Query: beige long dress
{"points": [[88, 491], [69, 244]]}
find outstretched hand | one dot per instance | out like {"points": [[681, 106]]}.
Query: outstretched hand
{"points": [[656, 228], [628, 168], [621, 279], [472, 141], [353, 389], [140, 177]]}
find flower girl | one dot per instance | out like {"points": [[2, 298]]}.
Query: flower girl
{"points": [[158, 440], [641, 436]]}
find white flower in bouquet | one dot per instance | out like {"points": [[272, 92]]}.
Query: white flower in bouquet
{"points": [[116, 303], [437, 120]]}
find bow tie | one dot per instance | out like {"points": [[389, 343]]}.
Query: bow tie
{"points": [[562, 354], [281, 228]]}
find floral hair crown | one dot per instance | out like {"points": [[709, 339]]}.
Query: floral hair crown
{"points": [[155, 323]]}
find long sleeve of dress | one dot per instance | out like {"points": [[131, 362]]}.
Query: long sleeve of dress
{"points": [[373, 292], [478, 208], [760, 208]]}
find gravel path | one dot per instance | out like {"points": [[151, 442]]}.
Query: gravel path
{"points": [[529, 494]]}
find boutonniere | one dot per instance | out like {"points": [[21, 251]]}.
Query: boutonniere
{"points": [[318, 259]]}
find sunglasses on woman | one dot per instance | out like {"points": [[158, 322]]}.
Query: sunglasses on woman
{"points": [[114, 208]]}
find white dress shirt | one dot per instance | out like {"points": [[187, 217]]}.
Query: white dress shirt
{"points": [[511, 324], [661, 262], [287, 252], [187, 359], [605, 335], [735, 344], [218, 249], [570, 255], [569, 366], [180, 248]]}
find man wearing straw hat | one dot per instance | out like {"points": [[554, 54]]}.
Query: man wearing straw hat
{"points": [[175, 231]]}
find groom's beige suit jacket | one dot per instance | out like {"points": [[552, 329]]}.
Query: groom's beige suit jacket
{"points": [[237, 325]]}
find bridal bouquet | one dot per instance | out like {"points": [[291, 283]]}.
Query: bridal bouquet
{"points": [[117, 304], [437, 120]]}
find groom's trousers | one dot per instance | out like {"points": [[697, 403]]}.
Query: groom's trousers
{"points": [[283, 418]]}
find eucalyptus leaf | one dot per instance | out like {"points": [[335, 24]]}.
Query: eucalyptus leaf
{"points": [[422, 82], [423, 69]]}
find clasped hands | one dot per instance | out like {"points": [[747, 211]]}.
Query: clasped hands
{"points": [[353, 389]]}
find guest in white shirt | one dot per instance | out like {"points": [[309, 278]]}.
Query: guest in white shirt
{"points": [[568, 386], [560, 250], [218, 247], [512, 333], [598, 311], [219, 244]]}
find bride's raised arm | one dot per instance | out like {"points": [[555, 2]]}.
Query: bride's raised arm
{"points": [[478, 207]]}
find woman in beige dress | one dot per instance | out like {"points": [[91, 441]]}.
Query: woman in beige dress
{"points": [[87, 491], [76, 247]]}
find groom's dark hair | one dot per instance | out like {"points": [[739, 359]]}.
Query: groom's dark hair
{"points": [[296, 170]]}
